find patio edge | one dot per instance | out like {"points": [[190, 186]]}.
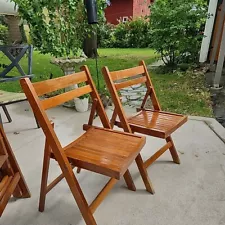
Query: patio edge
{"points": [[213, 124]]}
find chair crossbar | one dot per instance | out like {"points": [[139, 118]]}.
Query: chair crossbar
{"points": [[47, 86], [128, 83], [59, 99], [121, 74]]}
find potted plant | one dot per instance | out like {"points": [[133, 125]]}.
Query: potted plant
{"points": [[81, 103]]}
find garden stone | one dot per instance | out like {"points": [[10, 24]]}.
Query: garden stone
{"points": [[136, 86], [135, 103], [127, 89], [135, 97], [124, 99], [128, 94], [142, 88]]}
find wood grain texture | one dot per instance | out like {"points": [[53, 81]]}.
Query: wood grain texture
{"points": [[153, 122], [47, 86], [90, 152], [59, 99], [128, 83], [12, 181], [11, 184], [100, 150], [122, 74]]}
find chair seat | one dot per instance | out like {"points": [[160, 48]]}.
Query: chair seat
{"points": [[155, 123], [105, 151], [7, 97]]}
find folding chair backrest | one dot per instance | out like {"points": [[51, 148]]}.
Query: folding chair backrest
{"points": [[117, 80], [34, 90]]}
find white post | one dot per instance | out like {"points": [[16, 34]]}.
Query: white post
{"points": [[208, 30]]}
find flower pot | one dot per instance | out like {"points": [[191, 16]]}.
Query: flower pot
{"points": [[81, 105]]}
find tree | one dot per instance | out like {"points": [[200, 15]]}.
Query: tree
{"points": [[57, 27], [176, 29]]}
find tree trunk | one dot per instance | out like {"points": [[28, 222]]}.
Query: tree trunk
{"points": [[90, 45]]}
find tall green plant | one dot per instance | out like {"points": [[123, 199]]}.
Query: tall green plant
{"points": [[3, 34], [57, 27], [176, 29]]}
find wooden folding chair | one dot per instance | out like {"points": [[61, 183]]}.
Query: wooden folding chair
{"points": [[153, 122], [100, 150], [11, 179]]}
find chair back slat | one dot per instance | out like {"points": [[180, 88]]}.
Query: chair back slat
{"points": [[121, 74], [136, 75], [128, 83], [47, 86], [59, 99]]}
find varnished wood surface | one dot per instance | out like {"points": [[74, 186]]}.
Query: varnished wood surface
{"points": [[11, 184], [47, 86], [90, 151], [163, 124], [59, 99], [3, 159], [128, 83], [12, 181], [101, 150], [153, 122], [131, 72]]}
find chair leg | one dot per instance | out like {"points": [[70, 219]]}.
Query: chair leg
{"points": [[78, 170], [129, 181], [44, 179], [7, 113], [78, 195], [38, 126], [144, 174], [173, 150]]}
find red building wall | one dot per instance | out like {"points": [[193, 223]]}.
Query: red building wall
{"points": [[141, 8], [119, 9]]}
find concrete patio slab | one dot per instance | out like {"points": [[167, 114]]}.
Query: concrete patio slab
{"points": [[190, 193]]}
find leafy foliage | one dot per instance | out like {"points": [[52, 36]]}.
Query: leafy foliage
{"points": [[3, 34], [57, 27], [176, 29], [132, 34]]}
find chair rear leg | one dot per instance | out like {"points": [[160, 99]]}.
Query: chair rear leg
{"points": [[129, 181], [44, 179], [144, 174], [7, 113], [173, 150]]}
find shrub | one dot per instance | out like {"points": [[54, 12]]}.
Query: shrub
{"points": [[3, 34], [176, 29], [132, 34], [105, 33]]}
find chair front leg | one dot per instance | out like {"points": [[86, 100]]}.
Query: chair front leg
{"points": [[44, 179], [173, 150], [144, 174]]}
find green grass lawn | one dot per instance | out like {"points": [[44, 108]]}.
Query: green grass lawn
{"points": [[181, 93]]}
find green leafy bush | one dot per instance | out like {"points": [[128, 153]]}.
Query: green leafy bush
{"points": [[132, 34], [105, 35], [176, 29], [3, 34], [57, 27]]}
